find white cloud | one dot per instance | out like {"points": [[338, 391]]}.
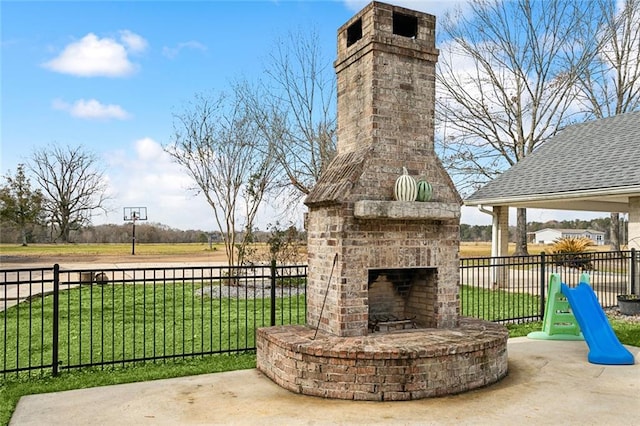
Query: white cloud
{"points": [[145, 175], [149, 150], [133, 41], [92, 56], [91, 109], [172, 52]]}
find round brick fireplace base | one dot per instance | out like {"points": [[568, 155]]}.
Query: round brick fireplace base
{"points": [[392, 366]]}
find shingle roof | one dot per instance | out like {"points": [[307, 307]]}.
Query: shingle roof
{"points": [[571, 230], [593, 156], [338, 180]]}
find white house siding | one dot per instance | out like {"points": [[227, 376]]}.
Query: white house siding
{"points": [[548, 236]]}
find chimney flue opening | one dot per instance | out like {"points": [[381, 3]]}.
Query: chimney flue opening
{"points": [[405, 25], [354, 32]]}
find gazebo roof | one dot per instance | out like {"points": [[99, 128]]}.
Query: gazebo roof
{"points": [[592, 166]]}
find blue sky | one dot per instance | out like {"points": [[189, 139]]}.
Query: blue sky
{"points": [[109, 76]]}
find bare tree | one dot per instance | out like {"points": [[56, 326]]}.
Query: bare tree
{"points": [[73, 186], [506, 77], [611, 84], [21, 205], [219, 146], [296, 108]]}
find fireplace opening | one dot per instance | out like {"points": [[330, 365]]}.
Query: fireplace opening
{"points": [[402, 298]]}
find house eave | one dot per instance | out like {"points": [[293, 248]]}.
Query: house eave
{"points": [[604, 200]]}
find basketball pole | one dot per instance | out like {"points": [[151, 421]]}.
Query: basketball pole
{"points": [[134, 214], [133, 235]]}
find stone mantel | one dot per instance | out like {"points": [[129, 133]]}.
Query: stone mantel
{"points": [[405, 210]]}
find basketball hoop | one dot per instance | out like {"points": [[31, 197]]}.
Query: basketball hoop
{"points": [[132, 214]]}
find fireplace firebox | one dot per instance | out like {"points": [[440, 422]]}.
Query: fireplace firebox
{"points": [[401, 298]]}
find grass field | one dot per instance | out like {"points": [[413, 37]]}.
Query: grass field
{"points": [[482, 249], [480, 303], [467, 249], [186, 249]]}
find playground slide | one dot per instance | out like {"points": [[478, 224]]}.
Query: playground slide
{"points": [[604, 346], [559, 322]]}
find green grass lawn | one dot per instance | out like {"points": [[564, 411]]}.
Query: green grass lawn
{"points": [[497, 305], [122, 322], [114, 324]]}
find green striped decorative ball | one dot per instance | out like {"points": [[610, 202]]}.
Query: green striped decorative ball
{"points": [[406, 188], [425, 191]]}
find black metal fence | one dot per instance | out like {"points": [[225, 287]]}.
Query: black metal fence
{"points": [[513, 289], [53, 319]]}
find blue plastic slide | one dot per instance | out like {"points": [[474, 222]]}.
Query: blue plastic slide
{"points": [[604, 346]]}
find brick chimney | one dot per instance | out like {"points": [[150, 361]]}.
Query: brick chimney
{"points": [[371, 256]]}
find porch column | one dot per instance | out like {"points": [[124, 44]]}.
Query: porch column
{"points": [[634, 234], [500, 230], [500, 244]]}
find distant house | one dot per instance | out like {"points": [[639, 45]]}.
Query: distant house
{"points": [[548, 235]]}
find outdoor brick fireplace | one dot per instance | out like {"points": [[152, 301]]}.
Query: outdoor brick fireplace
{"points": [[382, 294]]}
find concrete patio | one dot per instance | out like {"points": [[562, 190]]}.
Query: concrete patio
{"points": [[549, 382]]}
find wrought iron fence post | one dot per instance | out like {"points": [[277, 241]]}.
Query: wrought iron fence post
{"points": [[634, 263], [56, 309], [543, 281], [273, 292]]}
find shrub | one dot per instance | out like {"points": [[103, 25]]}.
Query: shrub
{"points": [[572, 245], [573, 252]]}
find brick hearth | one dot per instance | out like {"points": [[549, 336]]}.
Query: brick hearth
{"points": [[395, 366]]}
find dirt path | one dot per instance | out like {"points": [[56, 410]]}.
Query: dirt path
{"points": [[26, 261]]}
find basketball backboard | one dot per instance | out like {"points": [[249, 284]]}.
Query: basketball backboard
{"points": [[135, 213]]}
